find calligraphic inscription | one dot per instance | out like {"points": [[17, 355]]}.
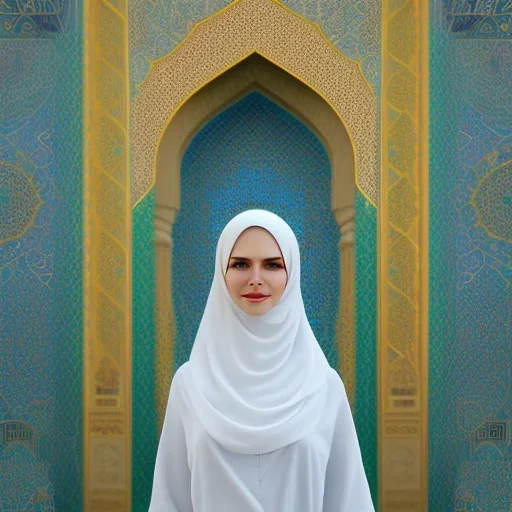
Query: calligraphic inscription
{"points": [[34, 18], [107, 424], [107, 380], [402, 428], [403, 397], [494, 432], [403, 393], [17, 431]]}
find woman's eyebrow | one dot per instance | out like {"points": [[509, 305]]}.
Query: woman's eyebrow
{"points": [[240, 258]]}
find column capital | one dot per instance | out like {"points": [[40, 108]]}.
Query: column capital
{"points": [[345, 218], [164, 221]]}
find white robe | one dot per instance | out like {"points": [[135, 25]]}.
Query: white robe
{"points": [[322, 472]]}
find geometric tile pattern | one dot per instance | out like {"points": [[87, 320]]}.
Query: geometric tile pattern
{"points": [[470, 379], [40, 257]]}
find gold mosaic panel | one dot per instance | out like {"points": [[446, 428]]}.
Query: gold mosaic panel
{"points": [[107, 257], [403, 269], [284, 38]]}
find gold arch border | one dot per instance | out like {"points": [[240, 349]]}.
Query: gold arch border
{"points": [[291, 42]]}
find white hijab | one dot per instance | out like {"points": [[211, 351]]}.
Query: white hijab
{"points": [[256, 383]]}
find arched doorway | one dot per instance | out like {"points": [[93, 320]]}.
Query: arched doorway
{"points": [[254, 74], [255, 154], [246, 30]]}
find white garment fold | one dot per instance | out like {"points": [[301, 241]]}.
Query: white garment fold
{"points": [[322, 472]]}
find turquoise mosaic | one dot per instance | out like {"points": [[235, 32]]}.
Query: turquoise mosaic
{"points": [[144, 422], [40, 258], [255, 155], [470, 379], [365, 412]]}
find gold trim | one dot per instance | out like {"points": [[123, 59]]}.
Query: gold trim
{"points": [[154, 108], [382, 259], [107, 262], [129, 266], [424, 237], [403, 260], [87, 297]]}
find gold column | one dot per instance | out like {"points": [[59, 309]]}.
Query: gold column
{"points": [[107, 259], [345, 328], [403, 263], [165, 320]]}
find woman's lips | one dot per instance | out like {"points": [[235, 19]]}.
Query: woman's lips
{"points": [[255, 297]]}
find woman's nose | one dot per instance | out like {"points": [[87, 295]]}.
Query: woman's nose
{"points": [[255, 277]]}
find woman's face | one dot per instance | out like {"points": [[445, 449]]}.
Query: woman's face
{"points": [[256, 276]]}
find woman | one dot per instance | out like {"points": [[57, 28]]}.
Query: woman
{"points": [[257, 421]]}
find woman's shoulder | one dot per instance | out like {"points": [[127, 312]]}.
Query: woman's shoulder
{"points": [[336, 388], [333, 379], [178, 379]]}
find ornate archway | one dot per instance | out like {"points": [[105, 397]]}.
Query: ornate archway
{"points": [[254, 73], [212, 48], [280, 36]]}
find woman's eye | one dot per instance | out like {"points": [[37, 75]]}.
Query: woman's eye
{"points": [[243, 264]]}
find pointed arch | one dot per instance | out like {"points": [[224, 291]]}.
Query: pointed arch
{"points": [[289, 41], [253, 74]]}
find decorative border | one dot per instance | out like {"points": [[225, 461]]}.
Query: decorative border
{"points": [[107, 259], [403, 259], [221, 41]]}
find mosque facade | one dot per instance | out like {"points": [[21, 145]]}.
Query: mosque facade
{"points": [[132, 131]]}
